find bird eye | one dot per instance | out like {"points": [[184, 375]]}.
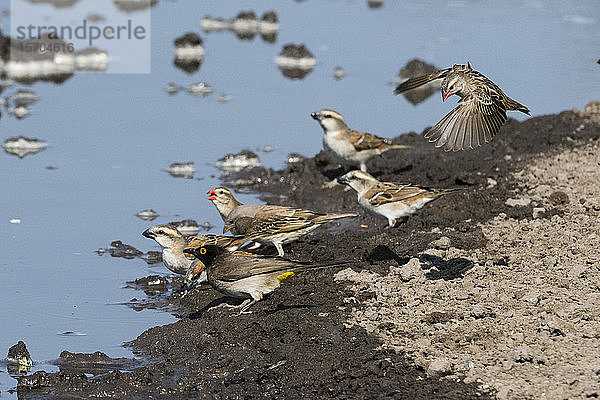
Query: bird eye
{"points": [[161, 232], [202, 250]]}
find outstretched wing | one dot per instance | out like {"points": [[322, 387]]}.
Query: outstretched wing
{"points": [[414, 83], [474, 122]]}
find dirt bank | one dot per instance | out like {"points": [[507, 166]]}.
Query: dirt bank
{"points": [[491, 291]]}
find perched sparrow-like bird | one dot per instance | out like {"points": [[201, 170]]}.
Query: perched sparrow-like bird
{"points": [[388, 199], [478, 117], [347, 146], [172, 243], [267, 223], [249, 276]]}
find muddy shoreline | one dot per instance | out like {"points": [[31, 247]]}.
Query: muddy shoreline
{"points": [[300, 341]]}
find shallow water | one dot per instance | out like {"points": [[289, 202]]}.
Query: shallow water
{"points": [[112, 136]]}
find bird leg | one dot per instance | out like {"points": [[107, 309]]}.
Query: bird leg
{"points": [[245, 308], [279, 248]]}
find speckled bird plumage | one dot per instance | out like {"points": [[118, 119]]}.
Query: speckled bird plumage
{"points": [[272, 224], [348, 146], [173, 243], [390, 200], [478, 117]]}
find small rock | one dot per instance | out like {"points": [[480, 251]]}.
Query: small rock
{"points": [[295, 158], [190, 39], [182, 170], [172, 88], [411, 270], [18, 359], [517, 202], [224, 98], [18, 352], [538, 211], [239, 161], [120, 249], [442, 243], [523, 353], [295, 61], [505, 393], [439, 367], [186, 227], [147, 215], [23, 98], [491, 183], [200, 89], [558, 198], [339, 73]]}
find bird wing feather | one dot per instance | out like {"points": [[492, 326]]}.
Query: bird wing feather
{"points": [[414, 83], [472, 123], [366, 141], [236, 265], [388, 192]]}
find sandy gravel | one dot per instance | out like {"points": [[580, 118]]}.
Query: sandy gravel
{"points": [[523, 317]]}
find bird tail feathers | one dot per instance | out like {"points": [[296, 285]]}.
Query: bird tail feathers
{"points": [[330, 217]]}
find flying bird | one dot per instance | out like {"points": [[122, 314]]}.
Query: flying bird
{"points": [[478, 117]]}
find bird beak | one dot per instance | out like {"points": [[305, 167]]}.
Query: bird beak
{"points": [[213, 194], [148, 234], [445, 95], [316, 116], [226, 228], [190, 251], [342, 179]]}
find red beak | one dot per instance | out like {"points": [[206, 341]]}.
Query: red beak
{"points": [[445, 95], [213, 194]]}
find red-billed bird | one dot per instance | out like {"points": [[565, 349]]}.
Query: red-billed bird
{"points": [[478, 117]]}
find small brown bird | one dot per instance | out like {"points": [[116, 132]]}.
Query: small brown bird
{"points": [[267, 223], [388, 199], [172, 243], [478, 117], [249, 276], [347, 146]]}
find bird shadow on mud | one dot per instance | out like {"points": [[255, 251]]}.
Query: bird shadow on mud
{"points": [[384, 253], [235, 304], [226, 301], [282, 307], [438, 268]]}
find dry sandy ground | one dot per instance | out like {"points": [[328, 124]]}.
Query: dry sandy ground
{"points": [[524, 317]]}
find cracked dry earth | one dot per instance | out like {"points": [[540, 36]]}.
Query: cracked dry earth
{"points": [[524, 317]]}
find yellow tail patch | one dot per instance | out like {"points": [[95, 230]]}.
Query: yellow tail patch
{"points": [[285, 276]]}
